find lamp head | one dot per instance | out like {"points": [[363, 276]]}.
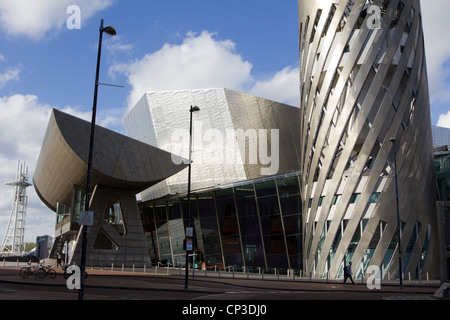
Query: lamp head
{"points": [[392, 139], [110, 30], [194, 108]]}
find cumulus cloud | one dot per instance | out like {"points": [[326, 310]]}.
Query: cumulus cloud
{"points": [[24, 122], [11, 73], [435, 22], [282, 87], [444, 120], [200, 61], [36, 18]]}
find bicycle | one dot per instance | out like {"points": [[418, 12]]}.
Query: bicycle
{"points": [[25, 272], [44, 271]]}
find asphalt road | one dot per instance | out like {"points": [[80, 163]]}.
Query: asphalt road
{"points": [[102, 285], [213, 298]]}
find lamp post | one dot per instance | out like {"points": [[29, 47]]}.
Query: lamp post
{"points": [[186, 276], [112, 32], [399, 231]]}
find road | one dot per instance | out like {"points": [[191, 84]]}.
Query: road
{"points": [[102, 285]]}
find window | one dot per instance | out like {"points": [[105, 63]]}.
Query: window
{"points": [[374, 197], [114, 215], [354, 198]]}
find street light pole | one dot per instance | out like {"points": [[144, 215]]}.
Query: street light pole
{"points": [[399, 231], [112, 32], [186, 275]]}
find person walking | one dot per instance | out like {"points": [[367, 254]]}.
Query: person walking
{"points": [[348, 273]]}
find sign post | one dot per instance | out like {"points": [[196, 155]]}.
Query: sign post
{"points": [[86, 218]]}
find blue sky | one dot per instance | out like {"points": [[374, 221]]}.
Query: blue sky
{"points": [[245, 45]]}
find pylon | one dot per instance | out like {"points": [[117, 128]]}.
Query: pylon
{"points": [[13, 243]]}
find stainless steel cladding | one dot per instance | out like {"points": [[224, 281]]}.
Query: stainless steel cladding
{"points": [[236, 136], [363, 82]]}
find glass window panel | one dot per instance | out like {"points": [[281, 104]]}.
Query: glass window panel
{"points": [[229, 228], [374, 197], [177, 235], [288, 186], [292, 224], [265, 188], [160, 212], [173, 210], [148, 224], [162, 228], [291, 205], [354, 198], [212, 260]]}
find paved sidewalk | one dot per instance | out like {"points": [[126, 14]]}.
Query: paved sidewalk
{"points": [[214, 285]]}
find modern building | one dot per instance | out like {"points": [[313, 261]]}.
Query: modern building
{"points": [[236, 136], [122, 167], [348, 176], [364, 113], [246, 198], [441, 136]]}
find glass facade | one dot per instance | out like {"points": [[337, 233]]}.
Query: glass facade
{"points": [[252, 225]]}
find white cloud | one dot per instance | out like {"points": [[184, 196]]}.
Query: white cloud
{"points": [[9, 74], [444, 120], [283, 87], [36, 18], [24, 122], [199, 62], [435, 24]]}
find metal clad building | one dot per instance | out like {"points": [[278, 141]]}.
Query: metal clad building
{"points": [[363, 81]]}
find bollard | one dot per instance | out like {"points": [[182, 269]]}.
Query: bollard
{"points": [[133, 267], [112, 267]]}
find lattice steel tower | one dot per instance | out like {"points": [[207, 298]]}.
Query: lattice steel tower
{"points": [[14, 243]]}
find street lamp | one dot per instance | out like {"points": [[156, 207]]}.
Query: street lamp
{"points": [[112, 32], [400, 267], [192, 110]]}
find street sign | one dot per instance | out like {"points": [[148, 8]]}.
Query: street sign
{"points": [[189, 232], [189, 245], [86, 218]]}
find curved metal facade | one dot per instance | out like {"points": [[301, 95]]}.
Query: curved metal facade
{"points": [[122, 167], [361, 84], [236, 136]]}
